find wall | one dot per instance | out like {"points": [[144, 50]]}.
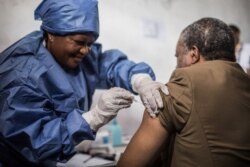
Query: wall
{"points": [[146, 30]]}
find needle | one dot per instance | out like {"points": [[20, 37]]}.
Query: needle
{"points": [[137, 101]]}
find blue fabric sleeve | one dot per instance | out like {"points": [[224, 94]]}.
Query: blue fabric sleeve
{"points": [[38, 132], [116, 70]]}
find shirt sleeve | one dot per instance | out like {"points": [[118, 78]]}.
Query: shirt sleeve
{"points": [[177, 105]]}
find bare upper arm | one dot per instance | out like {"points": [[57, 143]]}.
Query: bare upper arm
{"points": [[145, 144]]}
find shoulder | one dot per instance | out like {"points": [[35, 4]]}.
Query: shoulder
{"points": [[199, 69], [185, 73], [28, 43], [23, 58], [198, 75], [23, 50]]}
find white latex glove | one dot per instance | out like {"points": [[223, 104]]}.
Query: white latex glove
{"points": [[149, 92], [108, 106]]}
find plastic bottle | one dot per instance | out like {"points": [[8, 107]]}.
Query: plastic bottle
{"points": [[116, 133]]}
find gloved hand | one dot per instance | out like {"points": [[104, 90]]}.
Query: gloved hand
{"points": [[108, 106], [149, 92]]}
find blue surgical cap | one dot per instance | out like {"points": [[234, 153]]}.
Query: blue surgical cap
{"points": [[64, 17]]}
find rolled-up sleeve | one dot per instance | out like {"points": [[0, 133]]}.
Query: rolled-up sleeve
{"points": [[178, 104]]}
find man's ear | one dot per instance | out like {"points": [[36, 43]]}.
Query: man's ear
{"points": [[195, 53], [50, 37]]}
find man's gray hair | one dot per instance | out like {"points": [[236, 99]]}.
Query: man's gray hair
{"points": [[212, 37]]}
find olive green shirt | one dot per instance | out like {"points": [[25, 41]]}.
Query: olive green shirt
{"points": [[208, 111]]}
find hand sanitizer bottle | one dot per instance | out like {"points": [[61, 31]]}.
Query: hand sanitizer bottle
{"points": [[116, 133]]}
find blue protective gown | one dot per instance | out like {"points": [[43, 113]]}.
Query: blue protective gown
{"points": [[41, 104]]}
